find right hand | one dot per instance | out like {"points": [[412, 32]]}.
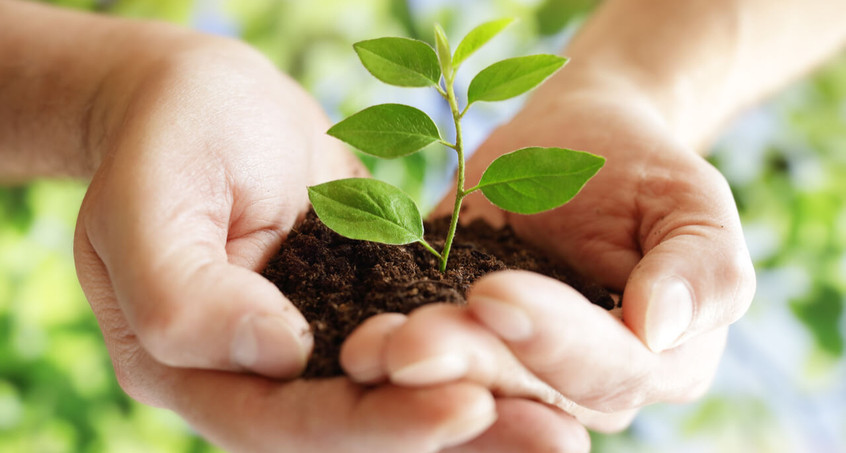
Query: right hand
{"points": [[658, 224]]}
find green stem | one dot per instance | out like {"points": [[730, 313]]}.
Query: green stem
{"points": [[459, 187], [472, 189], [430, 248], [447, 144], [461, 115]]}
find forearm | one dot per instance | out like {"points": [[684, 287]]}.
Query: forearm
{"points": [[52, 64], [64, 79], [698, 62], [53, 68]]}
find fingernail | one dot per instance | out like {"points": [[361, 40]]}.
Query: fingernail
{"points": [[430, 371], [668, 314], [477, 421], [268, 345], [369, 375], [507, 320]]}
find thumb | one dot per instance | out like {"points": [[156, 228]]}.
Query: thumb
{"points": [[175, 284], [697, 278]]}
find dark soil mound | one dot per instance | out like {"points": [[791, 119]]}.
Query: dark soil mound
{"points": [[337, 282]]}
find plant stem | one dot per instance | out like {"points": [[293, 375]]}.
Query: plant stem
{"points": [[459, 150], [430, 248]]}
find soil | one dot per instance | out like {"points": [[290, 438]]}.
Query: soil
{"points": [[337, 282]]}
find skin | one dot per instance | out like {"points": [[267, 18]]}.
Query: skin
{"points": [[643, 225], [199, 152], [649, 85]]}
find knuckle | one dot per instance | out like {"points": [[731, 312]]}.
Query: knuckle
{"points": [[699, 370], [163, 335], [694, 390], [623, 398], [608, 423], [625, 395], [632, 387], [698, 389], [741, 272], [699, 383], [131, 377], [569, 441], [133, 387], [433, 311], [616, 422]]}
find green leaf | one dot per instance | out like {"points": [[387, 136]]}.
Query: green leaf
{"points": [[477, 38], [387, 130], [553, 15], [444, 53], [532, 180], [512, 77], [367, 209], [400, 61]]}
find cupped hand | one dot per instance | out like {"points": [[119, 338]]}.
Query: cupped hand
{"points": [[657, 224], [205, 163], [206, 154]]}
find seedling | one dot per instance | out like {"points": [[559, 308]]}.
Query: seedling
{"points": [[526, 181]]}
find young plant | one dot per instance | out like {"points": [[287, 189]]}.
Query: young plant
{"points": [[526, 181]]}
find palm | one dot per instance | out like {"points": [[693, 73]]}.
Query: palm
{"points": [[633, 203]]}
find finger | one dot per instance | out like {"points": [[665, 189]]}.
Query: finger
{"points": [[330, 415], [363, 352], [122, 345], [166, 260], [696, 273], [442, 343], [567, 342], [248, 413], [530, 427], [258, 415], [608, 422]]}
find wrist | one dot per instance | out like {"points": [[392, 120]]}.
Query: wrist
{"points": [[170, 72], [679, 57], [57, 103], [594, 88], [690, 114], [213, 86]]}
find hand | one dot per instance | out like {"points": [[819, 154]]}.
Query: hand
{"points": [[205, 169], [657, 224], [206, 156]]}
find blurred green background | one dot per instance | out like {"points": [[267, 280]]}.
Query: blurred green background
{"points": [[780, 387]]}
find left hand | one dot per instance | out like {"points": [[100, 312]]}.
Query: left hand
{"points": [[657, 223], [205, 166]]}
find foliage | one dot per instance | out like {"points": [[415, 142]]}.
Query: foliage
{"points": [[554, 15], [526, 181], [780, 388], [388, 130], [796, 199], [368, 209], [532, 180], [57, 388]]}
